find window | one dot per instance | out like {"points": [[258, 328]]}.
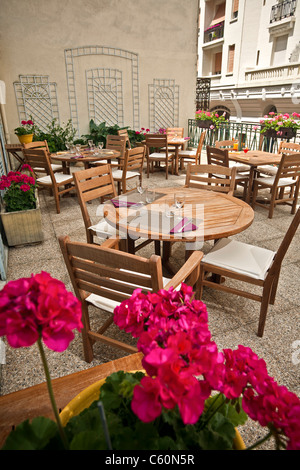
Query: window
{"points": [[279, 50], [230, 63], [235, 8], [257, 57], [218, 63]]}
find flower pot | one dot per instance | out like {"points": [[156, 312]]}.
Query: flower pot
{"points": [[205, 124], [85, 398], [26, 138], [22, 227], [283, 133]]}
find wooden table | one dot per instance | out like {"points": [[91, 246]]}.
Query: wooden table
{"points": [[87, 158], [15, 150], [216, 215], [34, 401], [254, 158]]}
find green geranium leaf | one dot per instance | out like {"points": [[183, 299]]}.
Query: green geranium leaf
{"points": [[219, 434], [87, 440], [31, 436]]}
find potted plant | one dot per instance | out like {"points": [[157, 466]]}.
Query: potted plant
{"points": [[192, 396], [26, 131], [280, 125], [20, 210], [209, 120]]}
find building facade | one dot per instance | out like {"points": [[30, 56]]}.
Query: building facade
{"points": [[250, 51]]}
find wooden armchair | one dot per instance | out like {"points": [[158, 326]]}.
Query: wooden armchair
{"points": [[43, 144], [58, 183], [188, 156], [124, 133], [158, 142], [217, 156], [104, 277], [287, 176], [286, 148], [131, 166], [91, 185], [200, 177], [114, 142], [249, 264]]}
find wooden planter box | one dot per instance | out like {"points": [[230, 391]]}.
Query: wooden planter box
{"points": [[204, 124], [286, 133], [22, 227]]}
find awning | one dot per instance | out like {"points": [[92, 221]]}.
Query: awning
{"points": [[219, 16]]}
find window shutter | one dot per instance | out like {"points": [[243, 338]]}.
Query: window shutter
{"points": [[230, 58]]}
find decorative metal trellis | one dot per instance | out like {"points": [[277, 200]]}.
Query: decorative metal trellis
{"points": [[37, 99], [105, 96], [203, 94], [163, 104], [71, 54]]}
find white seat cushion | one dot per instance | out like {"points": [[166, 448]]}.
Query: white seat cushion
{"points": [[117, 174], [187, 153], [239, 166], [281, 182], [59, 177], [240, 257], [268, 169], [108, 304], [157, 155], [53, 166]]}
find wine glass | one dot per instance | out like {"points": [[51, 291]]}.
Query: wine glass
{"points": [[78, 147], [150, 195], [68, 145], [140, 189], [179, 199], [91, 144], [100, 145]]}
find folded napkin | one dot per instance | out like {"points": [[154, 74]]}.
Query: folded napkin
{"points": [[78, 156], [122, 203], [185, 225]]}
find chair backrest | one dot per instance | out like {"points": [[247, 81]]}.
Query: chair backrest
{"points": [[285, 244], [37, 144], [91, 184], [175, 131], [116, 142], [289, 167], [288, 148], [211, 177], [200, 146], [224, 144], [39, 160], [156, 141], [134, 159], [124, 133], [216, 156], [107, 272]]}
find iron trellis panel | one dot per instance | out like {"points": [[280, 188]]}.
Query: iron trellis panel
{"points": [[37, 99], [105, 95], [163, 104]]}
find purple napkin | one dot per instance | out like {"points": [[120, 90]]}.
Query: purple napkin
{"points": [[78, 156], [120, 203], [185, 225]]}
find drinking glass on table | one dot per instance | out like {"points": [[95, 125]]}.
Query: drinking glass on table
{"points": [[91, 144], [100, 146], [78, 148], [150, 195], [140, 189], [179, 200]]}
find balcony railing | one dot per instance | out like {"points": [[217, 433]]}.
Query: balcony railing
{"points": [[283, 10], [247, 135], [215, 32]]}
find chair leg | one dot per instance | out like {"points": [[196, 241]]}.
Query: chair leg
{"points": [[56, 198], [200, 283], [272, 203], [295, 201], [264, 308], [274, 288], [87, 344]]}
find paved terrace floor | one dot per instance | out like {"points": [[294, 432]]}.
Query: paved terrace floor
{"points": [[232, 320]]}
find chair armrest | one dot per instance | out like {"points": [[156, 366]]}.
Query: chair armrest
{"points": [[111, 243], [189, 272]]}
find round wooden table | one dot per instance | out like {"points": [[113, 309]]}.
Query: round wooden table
{"points": [[86, 158], [212, 215]]}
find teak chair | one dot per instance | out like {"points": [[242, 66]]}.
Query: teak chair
{"points": [[131, 166], [158, 142], [200, 177], [104, 277], [192, 155], [216, 156], [94, 184], [228, 144], [43, 144], [250, 264], [124, 133], [58, 183], [114, 142], [287, 176], [286, 148]]}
